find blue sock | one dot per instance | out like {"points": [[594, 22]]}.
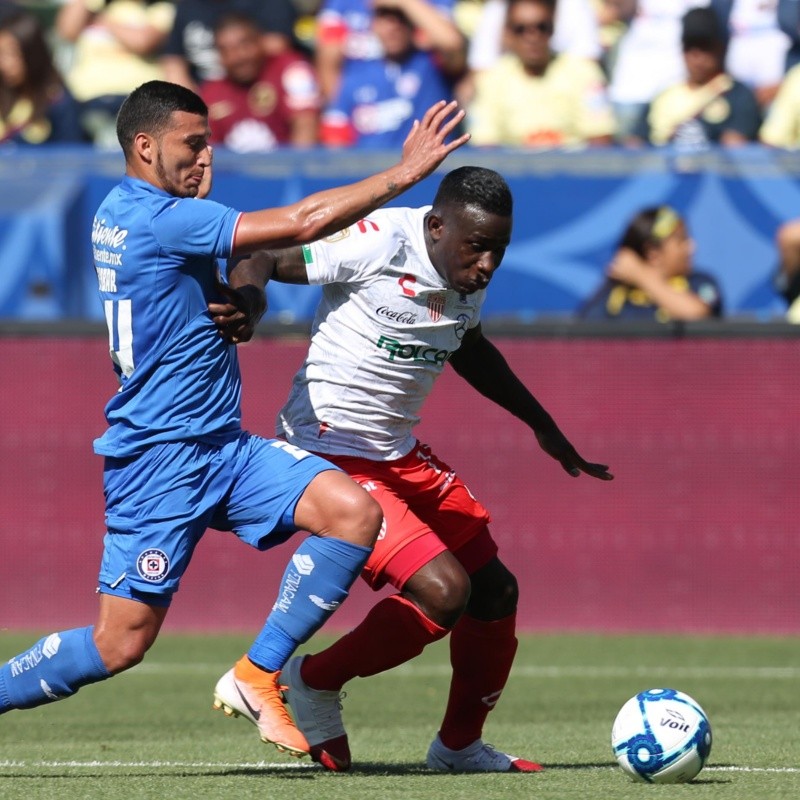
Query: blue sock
{"points": [[315, 584], [54, 668]]}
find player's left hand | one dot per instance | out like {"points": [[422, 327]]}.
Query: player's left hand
{"points": [[236, 319], [556, 445]]}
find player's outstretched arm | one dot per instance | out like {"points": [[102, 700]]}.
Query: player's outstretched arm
{"points": [[483, 366], [329, 211], [257, 269]]}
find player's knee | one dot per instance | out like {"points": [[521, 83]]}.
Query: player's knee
{"points": [[337, 506], [371, 520], [444, 597], [508, 596], [360, 519], [496, 598]]}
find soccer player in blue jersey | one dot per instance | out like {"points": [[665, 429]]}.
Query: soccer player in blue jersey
{"points": [[176, 458]]}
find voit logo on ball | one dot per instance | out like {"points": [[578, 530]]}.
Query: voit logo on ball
{"points": [[153, 565]]}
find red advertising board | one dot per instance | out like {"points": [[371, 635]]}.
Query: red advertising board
{"points": [[697, 533]]}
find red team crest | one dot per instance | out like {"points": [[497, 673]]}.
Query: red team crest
{"points": [[436, 306]]}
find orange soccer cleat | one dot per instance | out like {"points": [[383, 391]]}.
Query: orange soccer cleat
{"points": [[254, 694]]}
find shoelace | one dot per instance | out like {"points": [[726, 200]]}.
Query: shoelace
{"points": [[327, 716], [494, 755], [275, 699]]}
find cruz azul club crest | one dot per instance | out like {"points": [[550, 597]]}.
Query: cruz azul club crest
{"points": [[436, 305]]}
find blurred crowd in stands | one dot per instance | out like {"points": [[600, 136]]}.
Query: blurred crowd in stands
{"points": [[532, 74], [535, 74]]}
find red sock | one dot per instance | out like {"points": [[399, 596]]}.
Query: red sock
{"points": [[393, 632], [481, 654]]}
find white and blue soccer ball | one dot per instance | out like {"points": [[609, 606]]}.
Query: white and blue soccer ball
{"points": [[661, 736]]}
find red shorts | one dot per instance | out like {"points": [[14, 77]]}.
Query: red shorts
{"points": [[427, 509]]}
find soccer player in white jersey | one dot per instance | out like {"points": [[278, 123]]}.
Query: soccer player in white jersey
{"points": [[402, 296], [176, 458]]}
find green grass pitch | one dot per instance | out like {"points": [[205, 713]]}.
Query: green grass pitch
{"points": [[151, 733]]}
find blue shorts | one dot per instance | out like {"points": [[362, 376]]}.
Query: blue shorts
{"points": [[160, 503]]}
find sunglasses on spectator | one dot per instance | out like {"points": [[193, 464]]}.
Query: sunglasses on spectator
{"points": [[545, 28]]}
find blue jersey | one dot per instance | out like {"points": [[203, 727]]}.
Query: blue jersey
{"points": [[379, 100], [349, 22], [156, 261]]}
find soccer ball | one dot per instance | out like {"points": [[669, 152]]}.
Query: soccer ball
{"points": [[661, 736]]}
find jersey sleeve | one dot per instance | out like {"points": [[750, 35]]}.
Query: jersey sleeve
{"points": [[352, 255], [197, 227]]}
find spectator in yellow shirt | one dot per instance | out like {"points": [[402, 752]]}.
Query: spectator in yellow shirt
{"points": [[781, 128], [115, 47], [709, 107], [533, 98]]}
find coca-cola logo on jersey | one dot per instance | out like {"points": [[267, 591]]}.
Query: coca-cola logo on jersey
{"points": [[401, 317]]}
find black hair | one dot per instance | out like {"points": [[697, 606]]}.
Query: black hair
{"points": [[701, 29], [477, 187], [642, 232], [550, 4], [149, 109]]}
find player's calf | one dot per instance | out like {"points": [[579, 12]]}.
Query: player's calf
{"points": [[53, 669]]}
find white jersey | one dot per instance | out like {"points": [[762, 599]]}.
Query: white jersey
{"points": [[384, 328]]}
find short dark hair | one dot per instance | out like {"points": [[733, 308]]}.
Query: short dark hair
{"points": [[649, 228], [150, 107], [701, 29], [549, 4], [477, 187]]}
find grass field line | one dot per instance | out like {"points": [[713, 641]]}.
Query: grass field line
{"points": [[282, 765], [521, 671], [159, 764]]}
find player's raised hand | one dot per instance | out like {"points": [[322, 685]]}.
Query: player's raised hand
{"points": [[426, 145], [556, 445]]}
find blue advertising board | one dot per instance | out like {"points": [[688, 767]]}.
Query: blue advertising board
{"points": [[570, 210]]}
